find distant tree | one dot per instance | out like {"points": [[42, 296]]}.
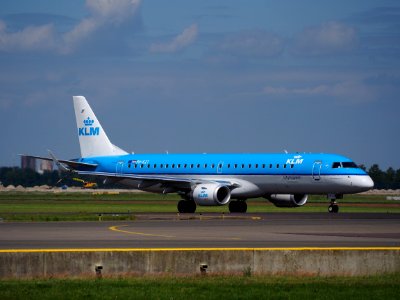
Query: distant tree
{"points": [[389, 178], [397, 179], [377, 176], [363, 167]]}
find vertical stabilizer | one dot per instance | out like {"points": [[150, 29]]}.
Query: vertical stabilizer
{"points": [[92, 138]]}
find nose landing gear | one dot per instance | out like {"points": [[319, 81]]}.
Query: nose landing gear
{"points": [[334, 207]]}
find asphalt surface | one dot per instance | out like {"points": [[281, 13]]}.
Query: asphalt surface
{"points": [[210, 231]]}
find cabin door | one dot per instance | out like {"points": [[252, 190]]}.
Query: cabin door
{"points": [[119, 167], [316, 170]]}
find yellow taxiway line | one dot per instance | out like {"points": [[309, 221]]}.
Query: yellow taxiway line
{"points": [[115, 228]]}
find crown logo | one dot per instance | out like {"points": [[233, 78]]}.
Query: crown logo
{"points": [[88, 122]]}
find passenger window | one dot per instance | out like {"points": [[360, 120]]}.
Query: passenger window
{"points": [[284, 166], [173, 166], [235, 166], [155, 166], [185, 166], [161, 166], [256, 166], [263, 166], [179, 165], [292, 166], [205, 166], [129, 166], [191, 166], [270, 166], [249, 166], [166, 166], [148, 166], [198, 165], [277, 166], [242, 166], [220, 166]]}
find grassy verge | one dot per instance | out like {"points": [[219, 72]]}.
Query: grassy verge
{"points": [[206, 287], [37, 206]]}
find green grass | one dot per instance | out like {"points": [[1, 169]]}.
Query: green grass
{"points": [[67, 206], [206, 287]]}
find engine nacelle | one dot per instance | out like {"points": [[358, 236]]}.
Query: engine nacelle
{"points": [[288, 200], [211, 194]]}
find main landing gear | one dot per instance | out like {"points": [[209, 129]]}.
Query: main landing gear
{"points": [[186, 206], [334, 207], [238, 206]]}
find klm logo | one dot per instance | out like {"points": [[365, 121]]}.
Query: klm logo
{"points": [[88, 129], [297, 160], [203, 194]]}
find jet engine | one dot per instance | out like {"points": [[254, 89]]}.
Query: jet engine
{"points": [[211, 194], [288, 200]]}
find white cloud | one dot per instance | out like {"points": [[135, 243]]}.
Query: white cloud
{"points": [[348, 90], [102, 12], [187, 37], [29, 38], [113, 10], [257, 43], [327, 38], [78, 33]]}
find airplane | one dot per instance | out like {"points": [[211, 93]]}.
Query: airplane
{"points": [[285, 179]]}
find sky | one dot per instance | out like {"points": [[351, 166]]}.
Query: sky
{"points": [[204, 76]]}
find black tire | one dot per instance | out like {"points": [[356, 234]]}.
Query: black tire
{"points": [[233, 206], [191, 207], [186, 206], [335, 208], [182, 206], [242, 206], [330, 208]]}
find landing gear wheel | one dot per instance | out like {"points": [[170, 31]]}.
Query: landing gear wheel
{"points": [[186, 206], [237, 206], [243, 206], [232, 206], [333, 208]]}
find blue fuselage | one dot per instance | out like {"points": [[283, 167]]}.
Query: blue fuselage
{"points": [[265, 173]]}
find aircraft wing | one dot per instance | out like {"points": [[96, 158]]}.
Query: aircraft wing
{"points": [[163, 179]]}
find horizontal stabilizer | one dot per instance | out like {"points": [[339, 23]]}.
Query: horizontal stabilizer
{"points": [[74, 165]]}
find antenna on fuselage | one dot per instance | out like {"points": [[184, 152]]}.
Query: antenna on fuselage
{"points": [[284, 150]]}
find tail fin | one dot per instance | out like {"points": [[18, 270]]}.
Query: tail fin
{"points": [[92, 138]]}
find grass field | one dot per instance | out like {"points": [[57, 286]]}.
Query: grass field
{"points": [[67, 206], [206, 287]]}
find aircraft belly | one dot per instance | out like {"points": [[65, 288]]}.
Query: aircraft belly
{"points": [[259, 185]]}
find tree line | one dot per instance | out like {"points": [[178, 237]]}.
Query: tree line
{"points": [[389, 179]]}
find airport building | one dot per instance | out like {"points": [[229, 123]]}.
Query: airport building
{"points": [[28, 163], [45, 166]]}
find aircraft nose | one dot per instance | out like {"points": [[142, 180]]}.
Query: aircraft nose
{"points": [[364, 183]]}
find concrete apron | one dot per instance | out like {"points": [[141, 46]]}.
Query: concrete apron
{"points": [[273, 261]]}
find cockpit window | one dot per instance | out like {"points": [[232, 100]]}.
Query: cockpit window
{"points": [[349, 165]]}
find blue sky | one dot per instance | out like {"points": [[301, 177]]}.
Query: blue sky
{"points": [[203, 76]]}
